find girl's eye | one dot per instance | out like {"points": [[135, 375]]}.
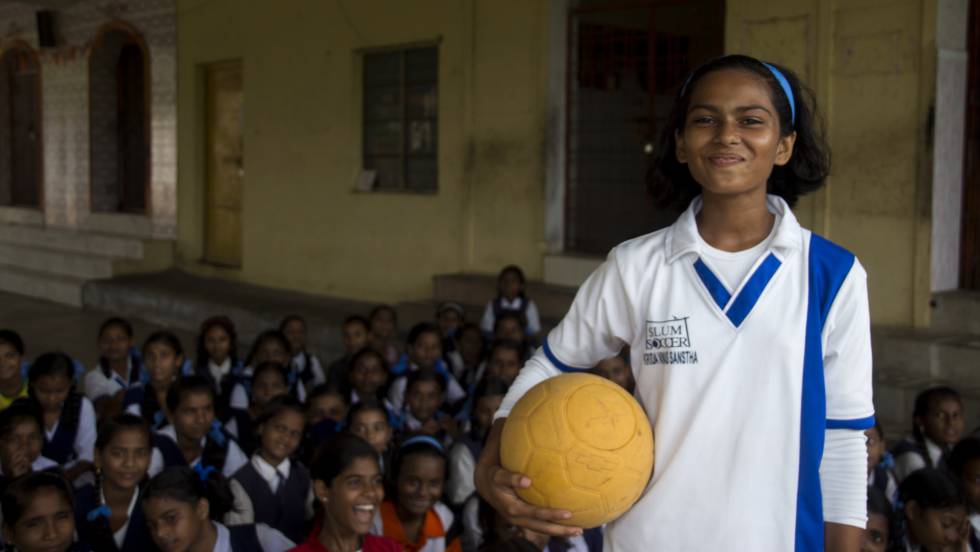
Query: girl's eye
{"points": [[752, 121], [704, 120]]}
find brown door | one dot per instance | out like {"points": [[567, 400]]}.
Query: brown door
{"points": [[225, 164], [133, 146], [21, 69], [970, 244]]}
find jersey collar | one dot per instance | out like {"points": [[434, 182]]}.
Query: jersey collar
{"points": [[682, 238]]}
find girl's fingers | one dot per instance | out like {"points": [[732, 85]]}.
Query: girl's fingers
{"points": [[504, 478], [546, 527], [514, 507]]}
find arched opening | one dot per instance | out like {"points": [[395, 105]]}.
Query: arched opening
{"points": [[119, 130], [20, 127]]}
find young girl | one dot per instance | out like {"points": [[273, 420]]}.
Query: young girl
{"points": [[881, 465], [348, 487], [449, 317], [466, 361], [384, 328], [37, 514], [217, 359], [423, 351], [371, 421], [413, 515], [964, 464], [69, 418], [21, 440], [12, 383], [747, 333], [510, 326], [107, 514], [269, 381], [307, 367], [163, 357], [269, 346], [880, 529], [325, 413], [424, 399], [937, 425], [934, 512], [182, 508], [511, 297], [279, 487], [368, 377], [465, 452], [118, 369]]}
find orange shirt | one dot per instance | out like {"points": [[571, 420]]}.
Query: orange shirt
{"points": [[432, 537]]}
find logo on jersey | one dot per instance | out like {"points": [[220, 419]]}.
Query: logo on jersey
{"points": [[668, 342]]}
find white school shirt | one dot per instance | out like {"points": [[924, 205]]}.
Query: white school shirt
{"points": [[240, 399], [741, 387], [270, 473], [97, 385], [84, 445], [219, 371], [531, 313], [298, 363], [396, 393], [912, 460], [234, 459], [120, 535]]}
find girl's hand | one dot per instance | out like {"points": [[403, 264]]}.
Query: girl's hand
{"points": [[499, 488]]}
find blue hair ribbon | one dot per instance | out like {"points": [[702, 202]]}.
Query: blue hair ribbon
{"points": [[216, 435], [204, 471], [101, 511], [431, 441]]}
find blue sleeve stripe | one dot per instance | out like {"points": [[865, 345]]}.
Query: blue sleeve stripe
{"points": [[554, 360], [856, 423]]}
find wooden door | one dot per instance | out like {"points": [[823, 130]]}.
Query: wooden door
{"points": [[133, 144], [25, 130], [970, 242], [225, 163]]}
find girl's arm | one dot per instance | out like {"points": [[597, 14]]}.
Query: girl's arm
{"points": [[841, 538]]}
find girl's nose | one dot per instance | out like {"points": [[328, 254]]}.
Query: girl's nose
{"points": [[727, 133]]}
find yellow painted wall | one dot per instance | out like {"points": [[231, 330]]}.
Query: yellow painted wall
{"points": [[304, 227], [869, 64]]}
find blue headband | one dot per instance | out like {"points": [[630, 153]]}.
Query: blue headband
{"points": [[424, 439], [780, 78]]}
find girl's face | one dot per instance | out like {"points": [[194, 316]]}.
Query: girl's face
{"points": [[426, 350], [114, 344], [268, 385], [484, 409], [372, 426], [424, 399], [175, 526], [449, 321], [194, 415], [280, 436], [943, 423], [355, 337], [383, 324], [295, 332], [218, 344], [162, 363], [731, 136], [47, 524], [326, 406], [504, 364], [876, 447], [352, 497], [368, 375], [510, 285], [937, 530], [875, 538], [420, 483], [470, 345], [509, 329], [20, 447], [10, 361], [51, 391], [125, 459], [271, 350], [970, 480], [617, 371]]}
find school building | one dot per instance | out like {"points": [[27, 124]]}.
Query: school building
{"points": [[358, 149]]}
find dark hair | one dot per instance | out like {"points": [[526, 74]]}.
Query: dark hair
{"points": [[186, 485], [51, 364], [489, 387], [516, 271], [964, 451], [289, 319], [358, 319], [21, 409], [382, 391], [337, 454], [923, 402], [167, 338], [225, 324], [127, 328], [414, 445], [110, 427], [327, 389], [366, 405], [268, 335], [19, 493], [671, 182], [422, 328], [13, 339], [931, 488], [425, 375], [509, 344], [185, 386], [878, 504], [274, 367], [277, 406], [382, 308], [216, 443]]}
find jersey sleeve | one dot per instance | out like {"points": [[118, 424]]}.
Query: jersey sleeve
{"points": [[847, 355]]}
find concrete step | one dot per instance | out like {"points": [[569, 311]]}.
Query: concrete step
{"points": [[58, 239], [41, 285], [956, 311], [476, 289], [51, 261]]}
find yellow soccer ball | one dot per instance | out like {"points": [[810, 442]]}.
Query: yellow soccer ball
{"points": [[586, 445]]}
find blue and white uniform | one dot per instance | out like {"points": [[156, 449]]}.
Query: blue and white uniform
{"points": [[758, 395]]}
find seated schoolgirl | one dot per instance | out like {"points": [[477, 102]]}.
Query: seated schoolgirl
{"points": [[424, 398], [183, 507], [118, 368], [880, 529], [194, 436], [466, 451], [371, 421], [21, 441], [384, 327], [510, 327], [423, 351], [326, 411], [937, 425], [450, 316], [269, 380], [278, 486], [413, 514], [38, 515], [347, 483], [269, 346], [511, 297], [964, 464], [13, 385], [466, 361], [368, 376], [69, 418], [881, 465], [504, 361], [356, 336], [217, 360], [305, 365], [163, 357], [933, 511], [107, 514]]}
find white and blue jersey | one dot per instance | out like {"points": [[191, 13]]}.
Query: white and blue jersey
{"points": [[740, 385]]}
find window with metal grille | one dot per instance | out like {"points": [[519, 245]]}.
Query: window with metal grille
{"points": [[400, 121]]}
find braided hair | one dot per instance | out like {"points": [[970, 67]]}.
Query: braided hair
{"points": [[216, 442], [188, 486], [225, 323], [53, 365]]}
